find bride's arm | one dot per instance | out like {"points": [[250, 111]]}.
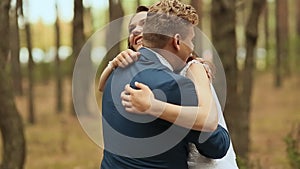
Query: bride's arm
{"points": [[121, 60], [205, 116]]}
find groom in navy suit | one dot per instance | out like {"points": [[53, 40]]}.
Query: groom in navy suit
{"points": [[134, 141]]}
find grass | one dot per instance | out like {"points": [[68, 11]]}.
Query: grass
{"points": [[57, 141]]}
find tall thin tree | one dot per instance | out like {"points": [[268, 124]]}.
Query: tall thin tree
{"points": [[78, 28], [58, 74], [115, 11], [282, 67], [249, 68], [11, 126], [78, 37], [31, 79], [251, 41], [15, 48], [298, 17], [297, 7], [267, 34], [138, 2], [197, 4]]}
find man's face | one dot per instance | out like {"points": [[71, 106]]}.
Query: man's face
{"points": [[186, 45], [136, 30]]}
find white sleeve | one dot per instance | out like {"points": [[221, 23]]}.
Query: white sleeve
{"points": [[184, 70]]}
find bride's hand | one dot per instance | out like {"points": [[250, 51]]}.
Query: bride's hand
{"points": [[209, 68], [137, 100], [125, 58]]}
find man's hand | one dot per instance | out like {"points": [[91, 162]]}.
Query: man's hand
{"points": [[137, 101]]}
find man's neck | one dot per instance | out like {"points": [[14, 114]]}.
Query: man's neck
{"points": [[176, 63]]}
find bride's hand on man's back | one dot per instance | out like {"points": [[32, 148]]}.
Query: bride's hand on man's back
{"points": [[125, 58]]}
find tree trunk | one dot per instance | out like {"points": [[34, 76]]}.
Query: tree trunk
{"points": [[138, 3], [267, 35], [59, 92], [249, 68], [115, 11], [88, 22], [223, 24], [282, 67], [297, 50], [298, 17], [13, 153], [78, 37], [251, 41], [31, 117], [15, 52], [197, 4], [78, 28]]}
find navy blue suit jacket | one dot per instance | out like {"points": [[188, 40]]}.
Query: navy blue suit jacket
{"points": [[140, 141]]}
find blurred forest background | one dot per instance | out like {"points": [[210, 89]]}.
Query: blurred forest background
{"points": [[257, 40]]}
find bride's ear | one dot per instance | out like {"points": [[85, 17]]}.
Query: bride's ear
{"points": [[176, 41]]}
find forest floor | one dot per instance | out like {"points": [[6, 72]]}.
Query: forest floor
{"points": [[274, 113], [57, 141]]}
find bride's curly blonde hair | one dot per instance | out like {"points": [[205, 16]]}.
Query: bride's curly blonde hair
{"points": [[167, 18]]}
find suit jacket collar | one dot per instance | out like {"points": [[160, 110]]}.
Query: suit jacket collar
{"points": [[155, 57]]}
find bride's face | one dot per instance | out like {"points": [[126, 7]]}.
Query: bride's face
{"points": [[136, 30]]}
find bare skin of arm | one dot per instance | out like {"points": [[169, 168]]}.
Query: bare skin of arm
{"points": [[121, 60], [201, 118]]}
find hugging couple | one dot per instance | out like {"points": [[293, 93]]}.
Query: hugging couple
{"points": [[159, 108]]}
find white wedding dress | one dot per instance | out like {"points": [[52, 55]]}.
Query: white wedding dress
{"points": [[196, 160]]}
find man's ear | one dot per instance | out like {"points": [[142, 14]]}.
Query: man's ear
{"points": [[177, 41]]}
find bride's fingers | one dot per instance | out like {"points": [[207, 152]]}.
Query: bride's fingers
{"points": [[128, 58], [134, 55], [120, 63]]}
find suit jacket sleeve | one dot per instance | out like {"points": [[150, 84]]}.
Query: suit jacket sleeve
{"points": [[212, 145]]}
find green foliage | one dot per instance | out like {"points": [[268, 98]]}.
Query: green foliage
{"points": [[242, 163], [246, 164], [292, 141]]}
